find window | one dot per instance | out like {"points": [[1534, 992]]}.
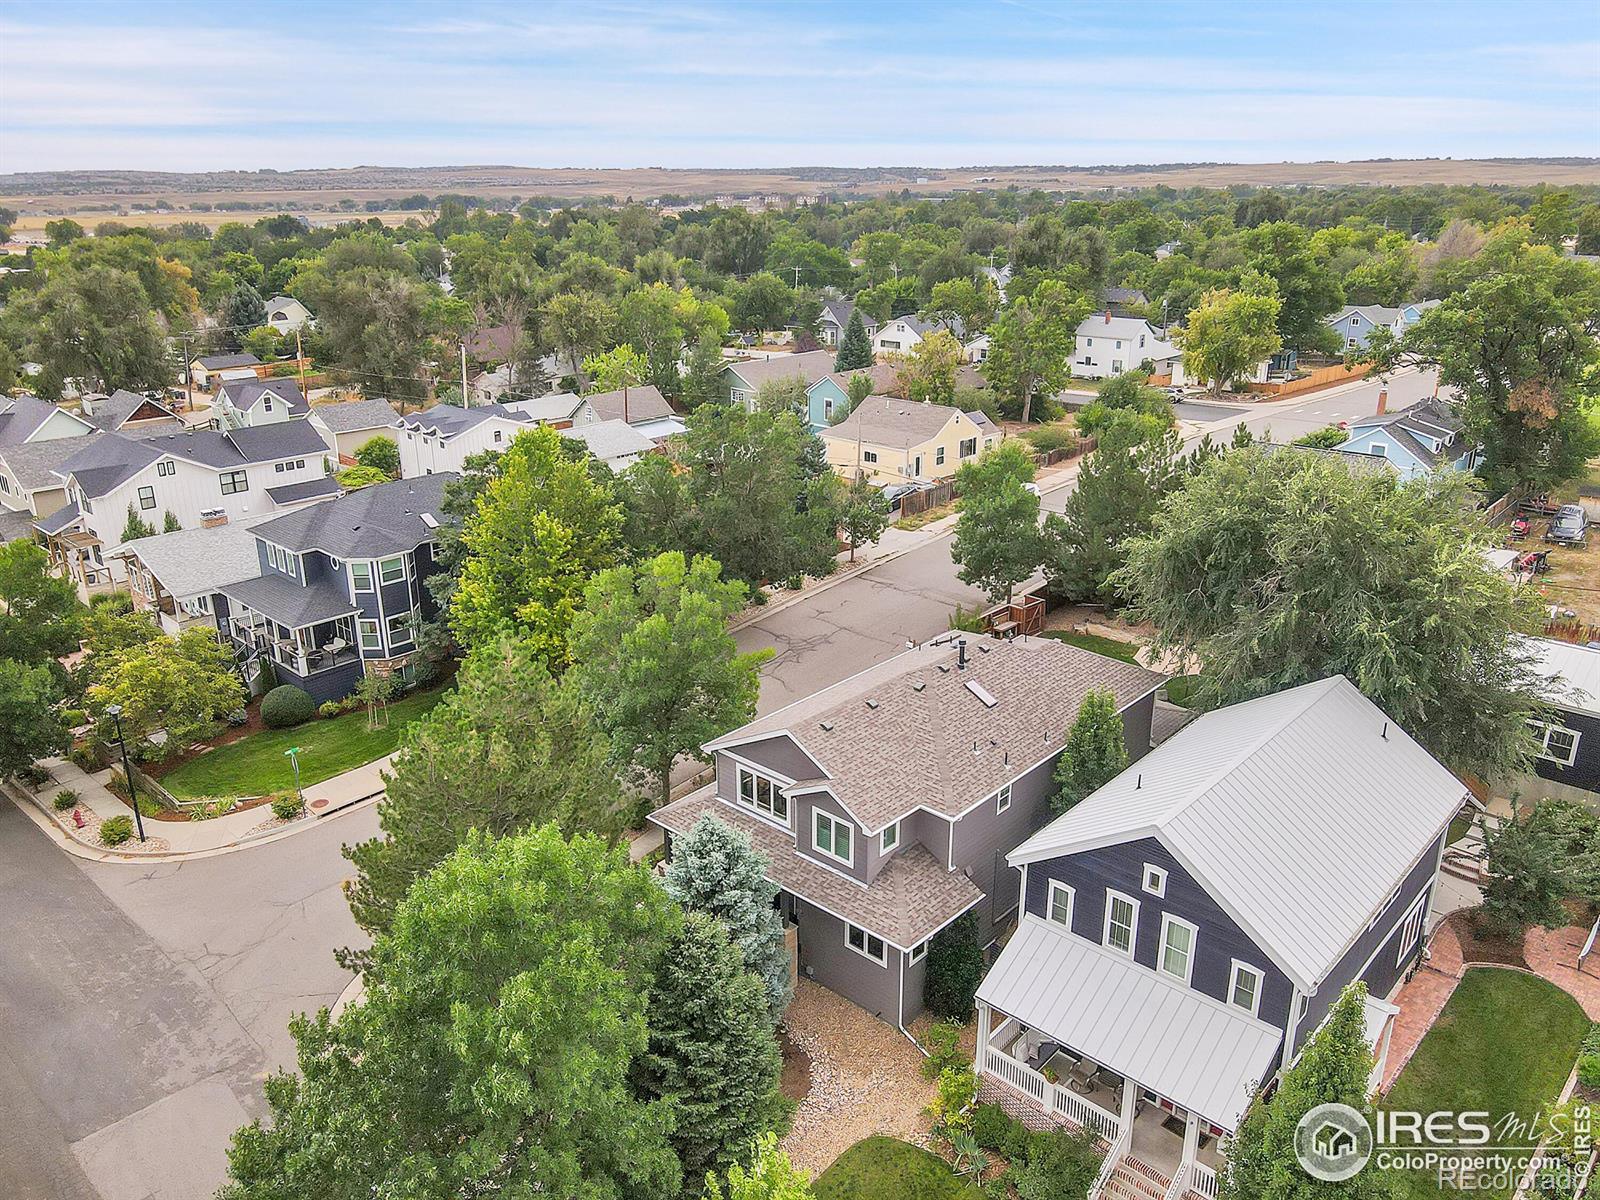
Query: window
{"points": [[361, 575], [1244, 988], [1411, 930], [1351, 343], [890, 837], [1355, 321], [400, 630], [5, 486], [234, 482], [763, 795], [1088, 341], [866, 944], [938, 457], [827, 408], [1155, 880], [167, 467], [281, 467], [498, 436], [887, 345], [1177, 947], [969, 447], [370, 640], [147, 497], [1118, 346], [391, 570], [870, 456], [919, 952], [1141, 341], [1058, 905], [1002, 799], [1122, 919], [831, 836], [266, 402], [1555, 743]]}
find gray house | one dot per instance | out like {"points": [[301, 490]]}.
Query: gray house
{"points": [[1187, 928], [835, 320], [886, 804], [340, 588]]}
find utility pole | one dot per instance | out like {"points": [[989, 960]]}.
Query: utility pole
{"points": [[300, 357], [797, 279], [465, 401]]}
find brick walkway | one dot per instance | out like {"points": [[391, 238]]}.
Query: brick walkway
{"points": [[1552, 953], [1422, 999]]}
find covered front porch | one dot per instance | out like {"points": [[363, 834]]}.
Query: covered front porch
{"points": [[299, 630]]}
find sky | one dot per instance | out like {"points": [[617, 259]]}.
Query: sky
{"points": [[169, 85]]}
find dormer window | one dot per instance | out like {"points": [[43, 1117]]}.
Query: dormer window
{"points": [[763, 795], [1155, 880], [266, 402], [831, 837]]}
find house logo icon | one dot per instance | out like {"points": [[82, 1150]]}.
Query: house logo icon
{"points": [[1333, 1142]]}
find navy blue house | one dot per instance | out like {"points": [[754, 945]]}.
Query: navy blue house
{"points": [[341, 589]]}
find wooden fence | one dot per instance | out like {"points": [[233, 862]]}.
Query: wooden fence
{"points": [[915, 503], [1325, 377], [1570, 629]]}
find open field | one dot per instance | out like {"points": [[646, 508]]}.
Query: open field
{"points": [[98, 195]]}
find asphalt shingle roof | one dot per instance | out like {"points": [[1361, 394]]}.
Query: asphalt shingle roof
{"points": [[111, 411], [644, 403], [20, 416], [244, 394], [35, 464], [885, 421], [607, 440], [448, 420], [189, 562], [223, 362], [307, 489], [353, 416], [370, 523], [810, 366], [287, 602]]}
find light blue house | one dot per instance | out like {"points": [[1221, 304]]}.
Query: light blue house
{"points": [[1354, 323], [1420, 440], [828, 399]]}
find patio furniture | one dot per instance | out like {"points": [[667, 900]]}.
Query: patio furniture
{"points": [[1081, 1077], [336, 647]]}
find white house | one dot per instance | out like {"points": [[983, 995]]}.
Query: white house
{"points": [[348, 426], [977, 350], [443, 437], [902, 334], [35, 438], [286, 314], [564, 410], [1109, 345], [615, 443], [249, 403], [211, 368]]}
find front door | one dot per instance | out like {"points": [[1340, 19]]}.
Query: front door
{"points": [[916, 466]]}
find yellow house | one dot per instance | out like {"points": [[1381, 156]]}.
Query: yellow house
{"points": [[892, 441]]}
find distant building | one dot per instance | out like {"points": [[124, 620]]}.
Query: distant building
{"points": [[892, 441], [1108, 345], [1354, 323], [285, 314]]}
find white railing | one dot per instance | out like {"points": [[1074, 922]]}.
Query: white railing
{"points": [[1025, 1079], [1052, 1097], [1202, 1180], [1180, 1182], [1086, 1114], [1113, 1157]]}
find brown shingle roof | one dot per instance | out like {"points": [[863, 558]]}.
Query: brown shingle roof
{"points": [[643, 403], [810, 366], [885, 421], [912, 897]]}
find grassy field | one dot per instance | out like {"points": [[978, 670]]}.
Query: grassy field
{"points": [[883, 1168], [1504, 1043], [257, 764], [1110, 647]]}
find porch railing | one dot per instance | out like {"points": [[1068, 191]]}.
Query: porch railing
{"points": [[1024, 1078], [1052, 1097], [1114, 1156], [1202, 1180], [1084, 1113]]}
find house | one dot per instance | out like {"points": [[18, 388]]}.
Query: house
{"points": [[1122, 300], [835, 320], [1109, 345], [1567, 735], [443, 437], [560, 409], [130, 413], [35, 439], [1354, 323], [205, 371], [349, 425], [641, 405], [1000, 277], [173, 576], [615, 443], [1188, 926], [202, 477], [247, 403], [1421, 439], [745, 377], [886, 803], [338, 589], [901, 335], [490, 387], [285, 314], [977, 350], [829, 397], [890, 441]]}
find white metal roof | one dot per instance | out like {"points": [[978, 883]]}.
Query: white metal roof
{"points": [[1196, 1051], [1299, 812], [1570, 674]]}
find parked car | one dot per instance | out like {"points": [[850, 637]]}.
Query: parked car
{"points": [[1569, 527], [1032, 489]]}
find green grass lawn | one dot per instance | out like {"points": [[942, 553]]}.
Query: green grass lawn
{"points": [[1181, 689], [884, 1168], [1504, 1043], [257, 764], [1110, 647]]}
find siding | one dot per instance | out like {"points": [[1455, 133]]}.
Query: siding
{"points": [[1585, 770], [826, 958], [800, 810]]}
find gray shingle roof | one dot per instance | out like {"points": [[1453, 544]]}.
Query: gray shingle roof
{"points": [[245, 394], [912, 896], [58, 520], [287, 602], [885, 421], [103, 463], [810, 366], [191, 562], [914, 745], [1427, 418], [111, 411], [35, 463], [882, 375], [557, 406], [20, 416], [643, 403], [15, 525], [307, 489], [374, 521], [353, 416], [223, 362], [448, 420], [607, 440]]}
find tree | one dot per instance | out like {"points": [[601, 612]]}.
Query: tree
{"points": [[30, 727], [182, 685], [865, 515], [1589, 229], [618, 368], [542, 527], [507, 749], [96, 324], [714, 870], [1094, 754], [997, 543], [170, 522], [970, 303], [1333, 1068], [1227, 334], [929, 372], [771, 1176], [374, 322], [360, 476], [579, 325], [381, 454], [1536, 861], [243, 311], [855, 348], [1308, 290], [785, 395], [762, 302], [62, 231], [40, 617], [1278, 569], [136, 527], [1031, 345], [955, 968], [713, 1056], [375, 691], [491, 1051], [1551, 219], [652, 654], [702, 376]]}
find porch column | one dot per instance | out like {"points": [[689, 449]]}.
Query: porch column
{"points": [[982, 1054], [1130, 1100], [1191, 1140]]}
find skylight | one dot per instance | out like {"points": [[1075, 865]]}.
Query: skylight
{"points": [[982, 693]]}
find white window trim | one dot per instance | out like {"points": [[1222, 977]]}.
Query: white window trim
{"points": [[361, 633], [887, 843], [1159, 888], [862, 950], [1002, 799], [406, 634], [739, 772], [1168, 921], [1238, 969], [355, 579], [917, 953], [1133, 925], [1050, 902], [393, 558], [817, 815], [1542, 731], [1411, 927]]}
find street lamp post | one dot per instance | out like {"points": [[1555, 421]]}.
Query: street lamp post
{"points": [[293, 755], [114, 711]]}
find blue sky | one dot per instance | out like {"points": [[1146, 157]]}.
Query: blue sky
{"points": [[176, 86]]}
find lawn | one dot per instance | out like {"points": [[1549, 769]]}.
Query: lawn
{"points": [[1504, 1043], [1110, 647], [884, 1168], [257, 764]]}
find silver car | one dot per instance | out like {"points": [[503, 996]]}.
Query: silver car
{"points": [[1569, 527]]}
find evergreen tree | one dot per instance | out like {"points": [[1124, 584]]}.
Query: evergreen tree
{"points": [[715, 870], [170, 522], [955, 968], [137, 527], [713, 1054], [1095, 752], [243, 311], [855, 347]]}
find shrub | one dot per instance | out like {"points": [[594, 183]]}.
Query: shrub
{"points": [[65, 799], [1591, 1040], [1057, 1165], [943, 1044], [205, 810], [329, 708], [267, 675], [955, 968], [1325, 438], [997, 1131], [758, 597], [952, 1099], [1045, 438], [84, 759], [238, 717], [287, 806], [287, 705], [74, 718], [33, 777], [116, 830], [1589, 1071]]}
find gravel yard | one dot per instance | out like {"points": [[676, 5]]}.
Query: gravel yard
{"points": [[866, 1079]]}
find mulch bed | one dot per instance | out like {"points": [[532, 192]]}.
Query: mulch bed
{"points": [[1478, 947], [796, 1079], [233, 733]]}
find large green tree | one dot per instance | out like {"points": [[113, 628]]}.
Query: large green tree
{"points": [[997, 543], [865, 515], [1275, 569], [1031, 345], [541, 528], [30, 727], [1094, 754], [855, 348], [1308, 289], [928, 373], [510, 747], [40, 618], [182, 685], [652, 654], [1228, 333], [374, 323], [96, 324], [491, 1053], [1536, 861]]}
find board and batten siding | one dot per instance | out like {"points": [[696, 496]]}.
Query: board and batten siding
{"points": [[1584, 773]]}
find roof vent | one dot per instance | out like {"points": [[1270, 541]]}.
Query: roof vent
{"points": [[984, 647], [982, 693], [872, 704], [943, 670], [827, 726], [917, 685]]}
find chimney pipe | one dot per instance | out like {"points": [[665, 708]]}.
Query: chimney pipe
{"points": [[1108, 316], [961, 654], [1383, 401]]}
